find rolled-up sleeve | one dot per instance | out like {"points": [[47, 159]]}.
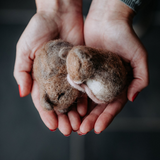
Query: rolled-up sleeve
{"points": [[133, 4]]}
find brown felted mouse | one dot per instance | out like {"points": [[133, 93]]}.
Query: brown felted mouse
{"points": [[62, 70], [99, 73], [50, 72]]}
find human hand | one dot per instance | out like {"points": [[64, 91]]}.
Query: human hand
{"points": [[109, 26], [54, 19]]}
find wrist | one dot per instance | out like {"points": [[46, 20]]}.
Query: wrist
{"points": [[50, 6], [112, 10], [120, 10]]}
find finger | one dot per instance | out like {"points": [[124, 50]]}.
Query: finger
{"points": [[74, 119], [48, 117], [22, 72], [140, 74], [64, 125], [82, 103], [109, 113], [89, 121]]}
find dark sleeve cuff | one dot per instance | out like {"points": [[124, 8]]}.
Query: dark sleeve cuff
{"points": [[133, 4]]}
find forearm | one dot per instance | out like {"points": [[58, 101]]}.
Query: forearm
{"points": [[58, 5]]}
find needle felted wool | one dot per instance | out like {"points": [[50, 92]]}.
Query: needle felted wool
{"points": [[50, 72]]}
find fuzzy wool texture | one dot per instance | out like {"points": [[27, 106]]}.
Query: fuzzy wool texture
{"points": [[50, 72], [84, 88], [101, 71]]}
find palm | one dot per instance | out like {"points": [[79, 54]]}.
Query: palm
{"points": [[42, 28], [100, 116], [69, 31], [111, 35], [115, 35]]}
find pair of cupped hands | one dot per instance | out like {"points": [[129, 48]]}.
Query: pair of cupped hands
{"points": [[108, 26]]}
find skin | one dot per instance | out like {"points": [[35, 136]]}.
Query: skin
{"points": [[114, 19], [63, 19]]}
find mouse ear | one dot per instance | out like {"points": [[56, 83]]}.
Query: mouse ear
{"points": [[64, 52]]}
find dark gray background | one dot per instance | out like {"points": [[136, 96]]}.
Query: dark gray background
{"points": [[133, 135]]}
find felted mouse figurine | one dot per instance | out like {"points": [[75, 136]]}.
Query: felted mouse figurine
{"points": [[99, 73], [62, 70], [50, 72]]}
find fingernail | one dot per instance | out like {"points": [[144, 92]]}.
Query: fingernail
{"points": [[134, 97], [79, 134], [75, 130], [97, 132], [82, 134], [52, 130], [20, 93], [67, 135]]}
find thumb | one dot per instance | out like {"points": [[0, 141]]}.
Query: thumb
{"points": [[22, 72], [139, 64]]}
